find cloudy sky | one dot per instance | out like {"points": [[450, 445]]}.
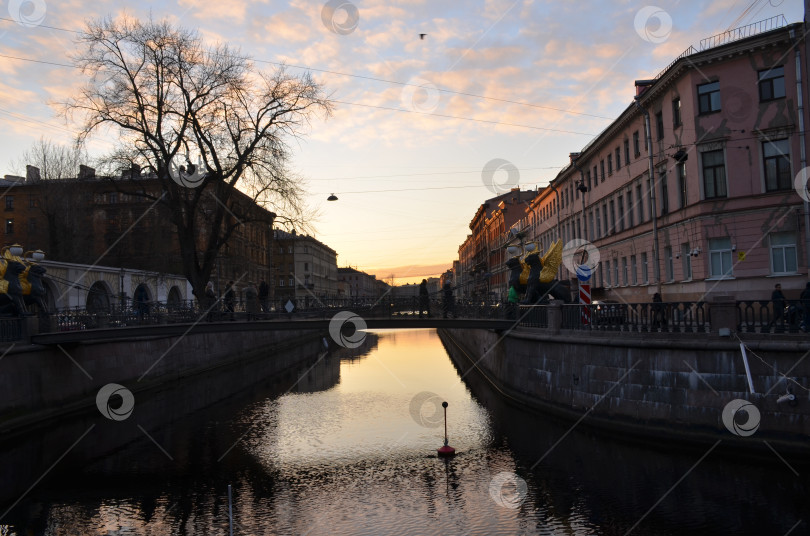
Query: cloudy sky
{"points": [[416, 120]]}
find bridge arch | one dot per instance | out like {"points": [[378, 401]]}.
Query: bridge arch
{"points": [[174, 299], [99, 298]]}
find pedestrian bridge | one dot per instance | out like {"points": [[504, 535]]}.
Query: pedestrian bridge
{"points": [[236, 326]]}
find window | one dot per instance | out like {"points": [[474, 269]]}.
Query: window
{"points": [[624, 271], [664, 191], [9, 226], [640, 196], [590, 226], [783, 253], [630, 222], [645, 278], [112, 198], [772, 84], [616, 271], [618, 159], [776, 155], [686, 261], [670, 274], [636, 148], [612, 217], [676, 112], [659, 125], [291, 282], [607, 273], [720, 257], [281, 250], [605, 218], [280, 282], [588, 179], [610, 164], [680, 172], [633, 270], [306, 267], [709, 97], [289, 249], [598, 224], [627, 152], [602, 169], [621, 213], [9, 202], [32, 225], [714, 174], [595, 177]]}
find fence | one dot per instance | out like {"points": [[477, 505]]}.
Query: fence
{"points": [[765, 316]]}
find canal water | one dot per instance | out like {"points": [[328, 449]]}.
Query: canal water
{"points": [[347, 445]]}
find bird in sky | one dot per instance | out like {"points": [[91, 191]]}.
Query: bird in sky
{"points": [[422, 36]]}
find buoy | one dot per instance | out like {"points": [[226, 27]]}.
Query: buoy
{"points": [[445, 450]]}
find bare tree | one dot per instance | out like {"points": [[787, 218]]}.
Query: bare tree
{"points": [[172, 101]]}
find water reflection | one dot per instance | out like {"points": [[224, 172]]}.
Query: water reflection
{"points": [[336, 447]]}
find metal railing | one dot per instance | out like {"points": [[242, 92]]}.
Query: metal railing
{"points": [[766, 316], [742, 32], [668, 317]]}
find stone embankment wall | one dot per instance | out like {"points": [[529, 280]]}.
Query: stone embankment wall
{"points": [[650, 385], [41, 382]]}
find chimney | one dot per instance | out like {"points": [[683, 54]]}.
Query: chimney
{"points": [[32, 174], [572, 157], [642, 86], [86, 173], [135, 171]]}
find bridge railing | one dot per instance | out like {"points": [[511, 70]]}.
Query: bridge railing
{"points": [[766, 316], [153, 313], [670, 317]]}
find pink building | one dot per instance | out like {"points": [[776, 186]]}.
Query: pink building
{"points": [[727, 141]]}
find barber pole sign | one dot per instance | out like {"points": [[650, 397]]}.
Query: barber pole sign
{"points": [[585, 301]]}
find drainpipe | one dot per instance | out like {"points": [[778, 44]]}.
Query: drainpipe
{"points": [[582, 189], [802, 148], [656, 266]]}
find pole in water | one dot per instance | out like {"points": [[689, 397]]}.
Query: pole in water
{"points": [[446, 450], [230, 510]]}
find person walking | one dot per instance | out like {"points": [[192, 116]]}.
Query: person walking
{"points": [[512, 299], [229, 298], [209, 300], [251, 300], [264, 296], [778, 300], [447, 304], [805, 305], [658, 311], [424, 298]]}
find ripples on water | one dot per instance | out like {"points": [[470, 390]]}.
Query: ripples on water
{"points": [[346, 451]]}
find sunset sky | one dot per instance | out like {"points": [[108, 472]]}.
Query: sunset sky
{"points": [[405, 162]]}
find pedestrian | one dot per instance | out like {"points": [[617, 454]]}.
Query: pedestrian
{"points": [[805, 305], [424, 298], [251, 300], [512, 299], [230, 298], [447, 304], [778, 300], [209, 300], [264, 296], [658, 312]]}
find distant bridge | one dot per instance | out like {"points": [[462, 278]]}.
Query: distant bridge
{"points": [[181, 329]]}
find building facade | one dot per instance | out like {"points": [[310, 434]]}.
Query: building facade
{"points": [[705, 202], [116, 222], [353, 283], [304, 269]]}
